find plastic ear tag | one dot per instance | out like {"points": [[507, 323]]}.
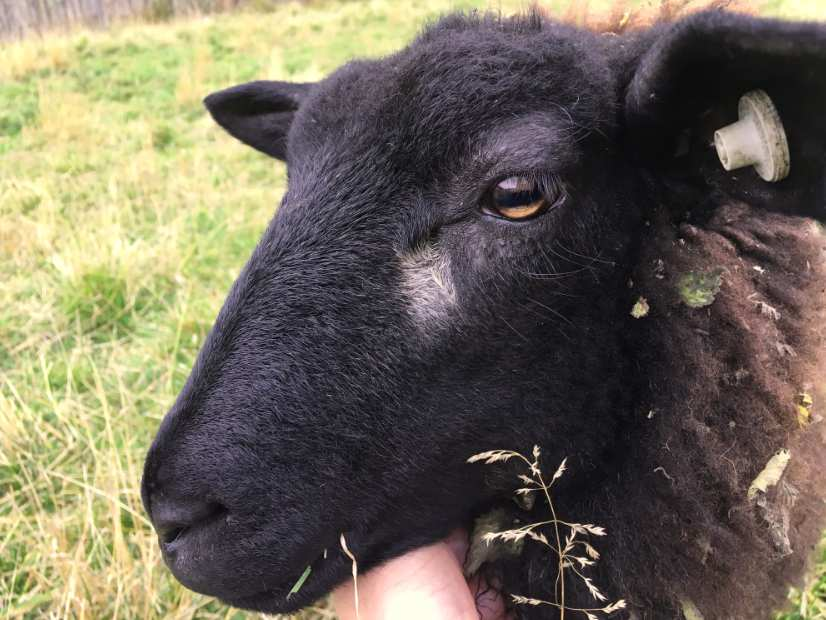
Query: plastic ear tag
{"points": [[757, 139]]}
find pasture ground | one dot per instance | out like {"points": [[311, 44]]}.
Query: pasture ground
{"points": [[125, 214]]}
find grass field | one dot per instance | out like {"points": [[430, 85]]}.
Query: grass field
{"points": [[124, 216]]}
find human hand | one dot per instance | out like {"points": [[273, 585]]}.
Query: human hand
{"points": [[426, 583]]}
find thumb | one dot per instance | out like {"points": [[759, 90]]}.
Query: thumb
{"points": [[423, 583]]}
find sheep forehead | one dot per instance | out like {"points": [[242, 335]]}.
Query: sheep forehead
{"points": [[436, 92], [427, 285]]}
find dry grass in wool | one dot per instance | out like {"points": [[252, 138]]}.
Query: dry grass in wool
{"points": [[570, 548]]}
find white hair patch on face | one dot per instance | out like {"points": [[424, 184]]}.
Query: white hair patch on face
{"points": [[427, 284]]}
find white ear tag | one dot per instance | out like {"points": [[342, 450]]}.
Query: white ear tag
{"points": [[757, 139]]}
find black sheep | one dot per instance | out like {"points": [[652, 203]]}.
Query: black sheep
{"points": [[467, 226]]}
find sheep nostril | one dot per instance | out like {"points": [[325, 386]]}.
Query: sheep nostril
{"points": [[173, 518], [170, 535]]}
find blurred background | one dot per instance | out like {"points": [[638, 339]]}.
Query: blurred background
{"points": [[125, 214]]}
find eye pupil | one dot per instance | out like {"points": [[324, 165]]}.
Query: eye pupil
{"points": [[523, 193], [517, 198]]}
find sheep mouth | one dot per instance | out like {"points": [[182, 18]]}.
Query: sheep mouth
{"points": [[322, 576], [330, 568], [190, 554], [309, 583], [202, 558]]}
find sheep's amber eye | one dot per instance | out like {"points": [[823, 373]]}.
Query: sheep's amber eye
{"points": [[517, 198]]}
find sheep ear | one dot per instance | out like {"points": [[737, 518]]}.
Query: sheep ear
{"points": [[689, 84], [259, 113]]}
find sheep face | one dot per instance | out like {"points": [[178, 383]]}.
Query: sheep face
{"points": [[447, 273]]}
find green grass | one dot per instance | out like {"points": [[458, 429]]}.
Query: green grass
{"points": [[125, 214]]}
